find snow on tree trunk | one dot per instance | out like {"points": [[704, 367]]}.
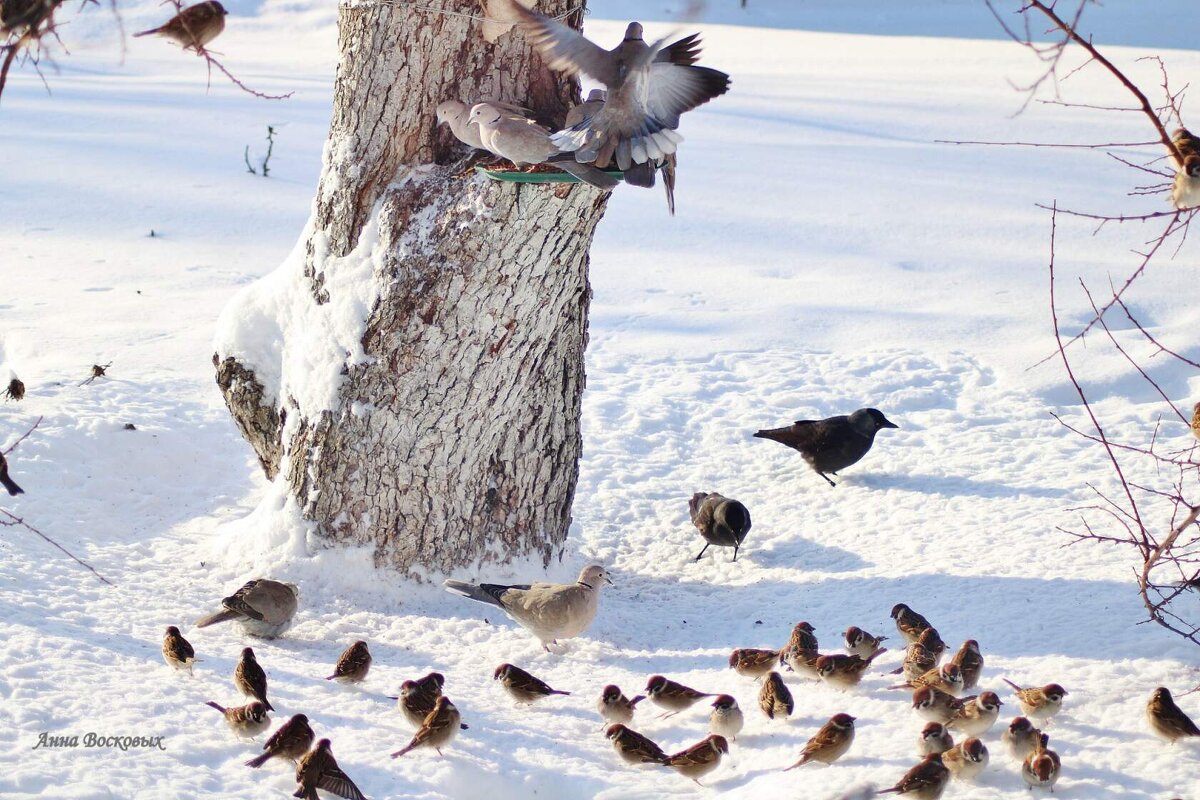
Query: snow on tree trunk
{"points": [[414, 370]]}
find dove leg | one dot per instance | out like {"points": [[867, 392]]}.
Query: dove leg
{"points": [[697, 558]]}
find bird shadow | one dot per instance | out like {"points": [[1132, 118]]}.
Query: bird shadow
{"points": [[951, 485]]}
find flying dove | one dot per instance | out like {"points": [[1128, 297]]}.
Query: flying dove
{"points": [[649, 87], [639, 174], [494, 28], [263, 607], [550, 611], [524, 143], [455, 114]]}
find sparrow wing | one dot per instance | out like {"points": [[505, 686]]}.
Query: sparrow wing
{"points": [[332, 779]]}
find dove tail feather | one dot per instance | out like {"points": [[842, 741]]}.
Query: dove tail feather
{"points": [[224, 615], [483, 593], [590, 175]]}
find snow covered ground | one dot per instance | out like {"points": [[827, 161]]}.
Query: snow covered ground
{"points": [[827, 255]]}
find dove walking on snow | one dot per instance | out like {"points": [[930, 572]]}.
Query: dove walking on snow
{"points": [[263, 607], [523, 143], [550, 611], [649, 87]]}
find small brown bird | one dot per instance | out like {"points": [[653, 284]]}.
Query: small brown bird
{"points": [[699, 759], [969, 661], [523, 687], [250, 679], [633, 747], [1185, 190], [774, 698], [910, 624], [977, 715], [417, 698], [1167, 720], [672, 696], [925, 781], [438, 729], [177, 651], [934, 738], [753, 663], [966, 760], [245, 721], [831, 742], [1041, 767], [354, 664], [1195, 420], [721, 521], [193, 27], [860, 643], [844, 671], [8, 483], [947, 677], [291, 741], [934, 704], [726, 718], [614, 706], [319, 770], [1020, 738], [832, 444], [1039, 704], [800, 653], [15, 390]]}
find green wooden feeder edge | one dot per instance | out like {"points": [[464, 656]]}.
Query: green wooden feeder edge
{"points": [[512, 176]]}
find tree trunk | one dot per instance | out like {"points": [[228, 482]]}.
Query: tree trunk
{"points": [[445, 430]]}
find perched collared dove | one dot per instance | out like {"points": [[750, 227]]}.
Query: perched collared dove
{"points": [[587, 109], [649, 87], [523, 143], [455, 114], [550, 611], [263, 607]]}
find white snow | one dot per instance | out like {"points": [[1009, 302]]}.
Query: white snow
{"points": [[827, 255]]}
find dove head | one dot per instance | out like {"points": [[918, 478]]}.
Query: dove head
{"points": [[634, 32], [597, 96], [450, 111], [594, 576], [485, 115]]}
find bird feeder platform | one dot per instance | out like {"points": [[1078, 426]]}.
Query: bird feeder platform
{"points": [[550, 176]]}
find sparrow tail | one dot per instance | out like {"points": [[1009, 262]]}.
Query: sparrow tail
{"points": [[224, 615], [402, 751], [258, 761], [633, 703], [1010, 683], [217, 707], [589, 175], [11, 485], [149, 32]]}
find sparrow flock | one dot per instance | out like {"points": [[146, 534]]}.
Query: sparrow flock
{"points": [[951, 731]]}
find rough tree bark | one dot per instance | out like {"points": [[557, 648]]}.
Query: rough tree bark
{"points": [[456, 440]]}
